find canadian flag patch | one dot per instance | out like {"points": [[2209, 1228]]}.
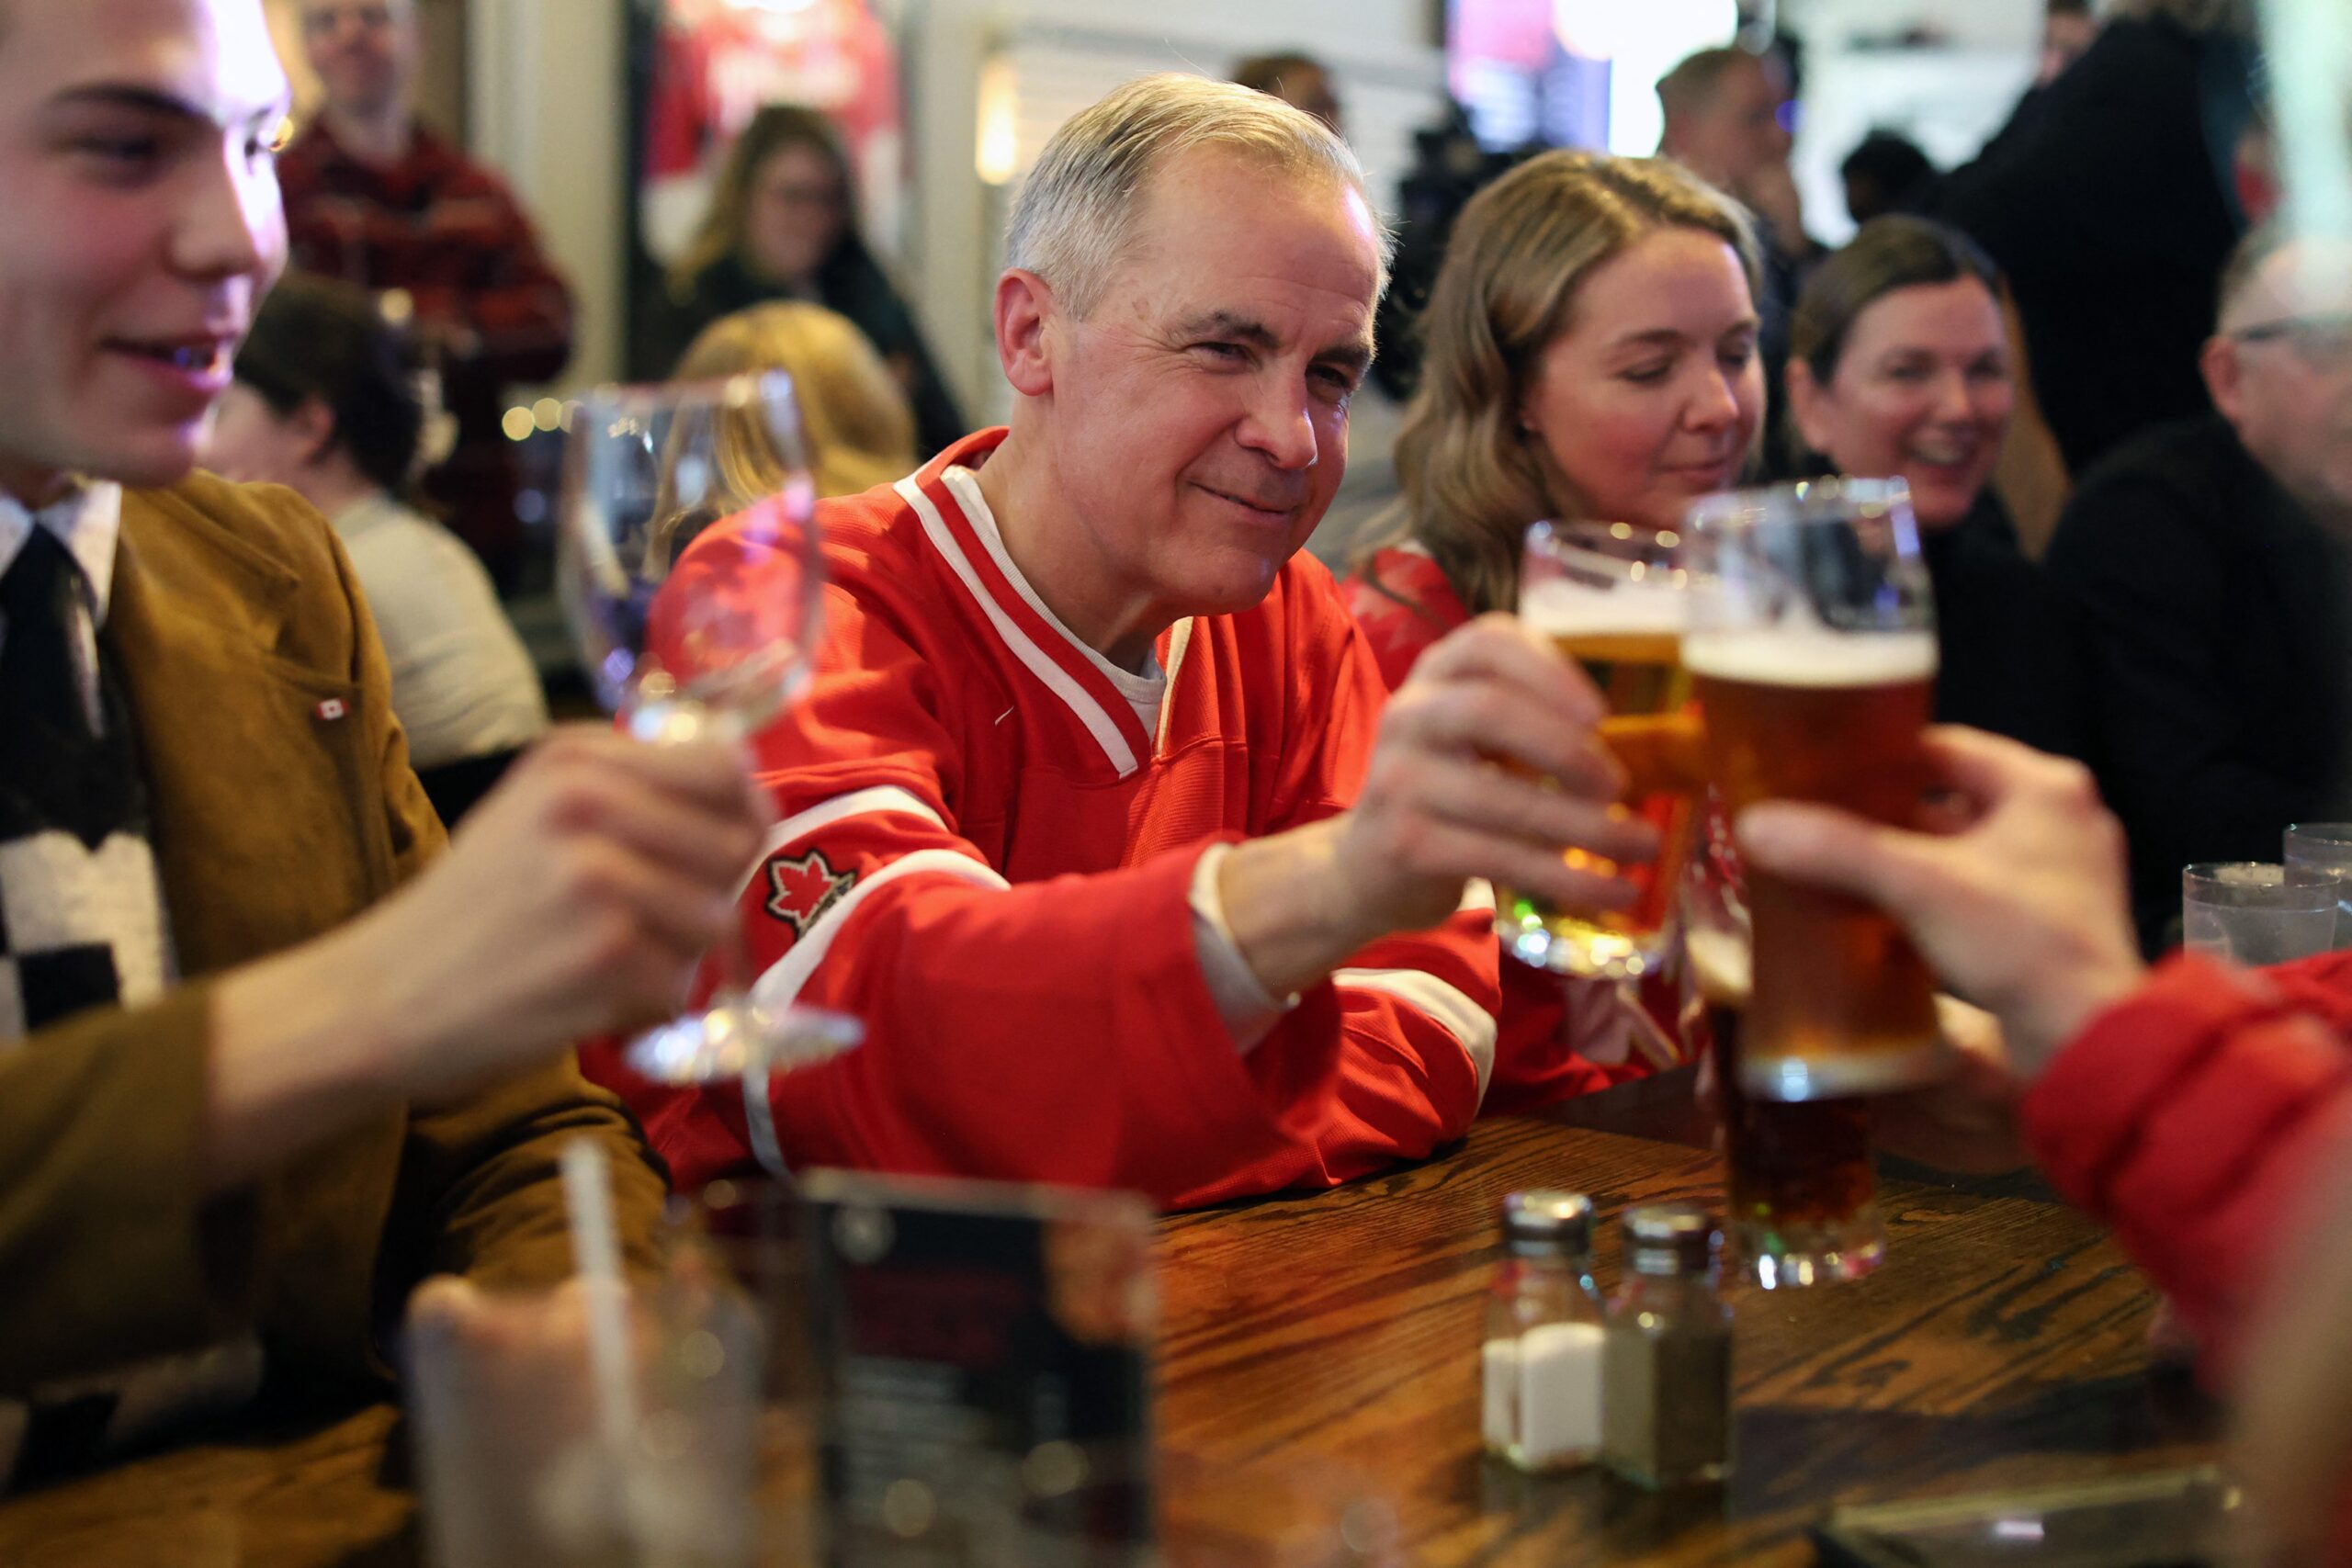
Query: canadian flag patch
{"points": [[800, 891]]}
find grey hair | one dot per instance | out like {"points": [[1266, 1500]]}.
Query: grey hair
{"points": [[1077, 208]]}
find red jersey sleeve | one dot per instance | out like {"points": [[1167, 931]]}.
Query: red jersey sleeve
{"points": [[1414, 1013], [2192, 1119]]}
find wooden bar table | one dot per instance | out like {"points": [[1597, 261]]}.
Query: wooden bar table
{"points": [[1321, 1351]]}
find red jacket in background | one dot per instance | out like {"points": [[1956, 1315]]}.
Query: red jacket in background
{"points": [[985, 853], [446, 231]]}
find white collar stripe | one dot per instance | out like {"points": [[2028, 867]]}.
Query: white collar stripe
{"points": [[1091, 713]]}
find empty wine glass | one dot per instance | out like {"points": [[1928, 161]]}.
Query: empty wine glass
{"points": [[692, 573]]}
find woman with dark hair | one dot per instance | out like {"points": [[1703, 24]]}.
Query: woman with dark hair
{"points": [[326, 403], [1898, 367], [783, 226]]}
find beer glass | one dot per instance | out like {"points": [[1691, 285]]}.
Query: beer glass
{"points": [[1799, 1189], [1615, 598], [1811, 651]]}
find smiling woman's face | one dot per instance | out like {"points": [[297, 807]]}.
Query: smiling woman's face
{"points": [[141, 131], [1651, 396], [1921, 390]]}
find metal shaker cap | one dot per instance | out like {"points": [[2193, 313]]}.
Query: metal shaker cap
{"points": [[1546, 1222], [1670, 1238]]}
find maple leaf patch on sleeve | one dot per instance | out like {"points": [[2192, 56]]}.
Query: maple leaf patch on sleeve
{"points": [[801, 891]]}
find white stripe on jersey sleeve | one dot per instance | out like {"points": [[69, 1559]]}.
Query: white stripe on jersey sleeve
{"points": [[779, 988], [1092, 714], [1477, 896], [1444, 1005], [840, 808]]}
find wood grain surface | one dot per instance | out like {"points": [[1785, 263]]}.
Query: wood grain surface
{"points": [[1318, 1400]]}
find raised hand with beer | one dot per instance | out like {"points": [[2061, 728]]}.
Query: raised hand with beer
{"points": [[1812, 656], [1614, 599]]}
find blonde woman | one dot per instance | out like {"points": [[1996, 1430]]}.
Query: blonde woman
{"points": [[1590, 351], [853, 414]]}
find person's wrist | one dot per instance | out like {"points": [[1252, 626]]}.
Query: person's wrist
{"points": [[2051, 1013]]}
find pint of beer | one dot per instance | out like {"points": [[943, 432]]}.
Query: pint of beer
{"points": [[1800, 1194], [1812, 656], [1615, 599]]}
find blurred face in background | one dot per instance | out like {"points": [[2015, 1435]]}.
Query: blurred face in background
{"points": [[1308, 88], [1652, 395], [141, 132], [364, 51], [1737, 133], [2281, 371], [797, 212], [2066, 37], [252, 443], [1922, 389]]}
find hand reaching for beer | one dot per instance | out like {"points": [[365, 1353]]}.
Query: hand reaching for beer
{"points": [[2021, 908], [1489, 764]]}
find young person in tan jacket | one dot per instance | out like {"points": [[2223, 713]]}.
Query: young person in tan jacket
{"points": [[269, 1055]]}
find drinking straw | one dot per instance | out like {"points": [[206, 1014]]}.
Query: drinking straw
{"points": [[597, 1256]]}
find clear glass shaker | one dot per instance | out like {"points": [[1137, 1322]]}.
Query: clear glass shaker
{"points": [[1542, 1359], [1666, 1401]]}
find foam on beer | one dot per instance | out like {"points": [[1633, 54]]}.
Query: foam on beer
{"points": [[1810, 657], [1560, 608]]}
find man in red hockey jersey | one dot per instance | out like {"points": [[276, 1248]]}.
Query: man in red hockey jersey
{"points": [[1093, 812]]}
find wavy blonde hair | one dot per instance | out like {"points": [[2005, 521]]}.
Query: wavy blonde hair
{"points": [[1472, 480], [854, 416]]}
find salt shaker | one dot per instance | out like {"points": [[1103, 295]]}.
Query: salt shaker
{"points": [[1542, 1357], [1666, 1398]]}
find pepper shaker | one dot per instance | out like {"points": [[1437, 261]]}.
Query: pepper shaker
{"points": [[1666, 1388]]}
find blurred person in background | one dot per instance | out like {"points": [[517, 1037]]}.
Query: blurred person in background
{"points": [[2109, 210], [1886, 172], [274, 1056], [2201, 1110], [377, 198], [2208, 566], [1899, 367], [783, 225], [854, 416], [2068, 29], [1096, 811], [1591, 354], [325, 403], [1299, 80], [1728, 120]]}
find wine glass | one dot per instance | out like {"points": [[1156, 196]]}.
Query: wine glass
{"points": [[692, 573]]}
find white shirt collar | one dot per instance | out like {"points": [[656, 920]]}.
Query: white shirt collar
{"points": [[1143, 688], [87, 522]]}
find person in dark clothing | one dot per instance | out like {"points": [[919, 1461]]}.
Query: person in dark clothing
{"points": [[782, 226], [2103, 206], [1899, 367], [2209, 567]]}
